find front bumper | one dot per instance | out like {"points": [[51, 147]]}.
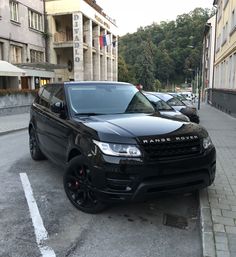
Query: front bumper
{"points": [[121, 179]]}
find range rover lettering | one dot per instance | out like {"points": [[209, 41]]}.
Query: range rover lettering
{"points": [[114, 146]]}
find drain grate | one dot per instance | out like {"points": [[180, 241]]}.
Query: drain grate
{"points": [[175, 221]]}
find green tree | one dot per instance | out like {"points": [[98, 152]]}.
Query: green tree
{"points": [[144, 66], [165, 51], [123, 72], [157, 85]]}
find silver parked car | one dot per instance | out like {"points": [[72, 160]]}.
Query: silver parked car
{"points": [[165, 110]]}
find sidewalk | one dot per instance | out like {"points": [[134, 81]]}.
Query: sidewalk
{"points": [[218, 202], [11, 123]]}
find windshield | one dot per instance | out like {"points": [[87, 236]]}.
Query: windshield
{"points": [[180, 97], [159, 104], [107, 99], [169, 99], [175, 102]]}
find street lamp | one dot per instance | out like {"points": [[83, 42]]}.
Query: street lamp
{"points": [[199, 89], [198, 82]]}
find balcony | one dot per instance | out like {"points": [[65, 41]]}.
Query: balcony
{"points": [[63, 38]]}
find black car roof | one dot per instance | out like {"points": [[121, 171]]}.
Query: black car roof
{"points": [[69, 83]]}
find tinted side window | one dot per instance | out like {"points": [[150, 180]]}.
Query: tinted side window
{"points": [[58, 95], [44, 99]]}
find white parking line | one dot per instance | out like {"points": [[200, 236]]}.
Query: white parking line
{"points": [[39, 229]]}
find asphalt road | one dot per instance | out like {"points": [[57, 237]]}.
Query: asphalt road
{"points": [[124, 230]]}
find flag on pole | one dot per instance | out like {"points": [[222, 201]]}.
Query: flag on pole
{"points": [[105, 40], [101, 41], [108, 39]]}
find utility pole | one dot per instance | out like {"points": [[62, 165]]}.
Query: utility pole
{"points": [[199, 89]]}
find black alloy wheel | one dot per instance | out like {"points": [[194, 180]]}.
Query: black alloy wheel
{"points": [[35, 151], [78, 187]]}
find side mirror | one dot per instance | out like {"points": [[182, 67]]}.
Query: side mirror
{"points": [[58, 107]]}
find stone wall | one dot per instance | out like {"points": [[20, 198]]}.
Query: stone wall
{"points": [[14, 103], [224, 100]]}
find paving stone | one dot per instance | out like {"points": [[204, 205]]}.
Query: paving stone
{"points": [[230, 230], [222, 246], [229, 214], [223, 254], [219, 228], [216, 212], [225, 192], [208, 245], [231, 197], [214, 201], [223, 220], [221, 206], [221, 238], [204, 202], [224, 201], [232, 243]]}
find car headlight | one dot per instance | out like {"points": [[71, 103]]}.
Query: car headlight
{"points": [[207, 143], [118, 149]]}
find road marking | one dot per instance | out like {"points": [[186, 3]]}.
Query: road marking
{"points": [[41, 233]]}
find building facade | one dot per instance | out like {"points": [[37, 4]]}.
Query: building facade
{"points": [[83, 40], [22, 43], [208, 58], [224, 91]]}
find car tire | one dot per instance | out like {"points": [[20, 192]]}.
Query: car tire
{"points": [[77, 185], [35, 151]]}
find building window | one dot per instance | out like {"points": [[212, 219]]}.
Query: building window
{"points": [[225, 3], [16, 54], [233, 22], [1, 12], [234, 70], [36, 56], [225, 34], [14, 11], [35, 20], [219, 12], [218, 43], [1, 51]]}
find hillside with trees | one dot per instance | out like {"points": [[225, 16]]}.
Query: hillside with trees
{"points": [[163, 54]]}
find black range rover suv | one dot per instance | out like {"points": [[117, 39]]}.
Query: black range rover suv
{"points": [[114, 146]]}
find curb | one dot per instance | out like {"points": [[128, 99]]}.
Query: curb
{"points": [[207, 234], [12, 131]]}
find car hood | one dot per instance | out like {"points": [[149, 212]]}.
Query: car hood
{"points": [[126, 128], [175, 115], [185, 109]]}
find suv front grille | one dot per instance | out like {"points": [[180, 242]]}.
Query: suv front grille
{"points": [[172, 149]]}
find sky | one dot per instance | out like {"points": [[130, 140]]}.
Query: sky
{"points": [[132, 14]]}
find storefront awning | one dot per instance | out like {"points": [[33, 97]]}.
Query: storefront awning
{"points": [[9, 70]]}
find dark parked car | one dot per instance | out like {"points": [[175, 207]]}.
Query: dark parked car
{"points": [[113, 145], [178, 105], [183, 99], [166, 111]]}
